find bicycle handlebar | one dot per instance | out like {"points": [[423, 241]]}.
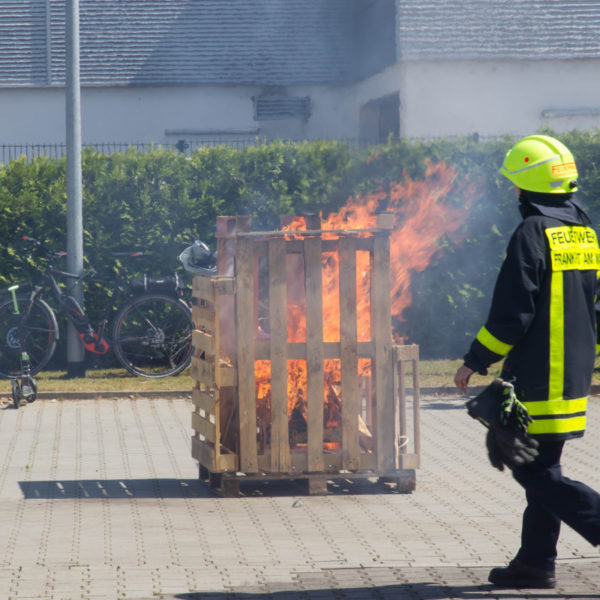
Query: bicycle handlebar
{"points": [[42, 248], [51, 255], [133, 254]]}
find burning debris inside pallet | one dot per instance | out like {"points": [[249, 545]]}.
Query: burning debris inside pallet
{"points": [[298, 413], [420, 221], [295, 365]]}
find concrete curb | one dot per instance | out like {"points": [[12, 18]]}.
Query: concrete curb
{"points": [[425, 391], [117, 393]]}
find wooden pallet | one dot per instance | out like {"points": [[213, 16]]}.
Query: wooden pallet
{"points": [[229, 484], [226, 346]]}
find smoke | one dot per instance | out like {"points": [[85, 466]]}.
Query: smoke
{"points": [[451, 297]]}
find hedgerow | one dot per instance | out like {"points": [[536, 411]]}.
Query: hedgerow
{"points": [[161, 200]]}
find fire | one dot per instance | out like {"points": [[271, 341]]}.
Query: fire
{"points": [[423, 220]]}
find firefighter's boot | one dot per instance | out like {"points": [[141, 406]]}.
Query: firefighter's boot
{"points": [[517, 575]]}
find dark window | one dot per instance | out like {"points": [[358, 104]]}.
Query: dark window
{"points": [[380, 118]]}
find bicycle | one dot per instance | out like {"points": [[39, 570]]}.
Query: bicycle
{"points": [[151, 332]]}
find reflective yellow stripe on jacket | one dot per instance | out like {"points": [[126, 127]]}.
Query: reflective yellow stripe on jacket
{"points": [[557, 416], [492, 343], [571, 248]]}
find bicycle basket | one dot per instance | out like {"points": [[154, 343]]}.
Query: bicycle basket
{"points": [[166, 285]]}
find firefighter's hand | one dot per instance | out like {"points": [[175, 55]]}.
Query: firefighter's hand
{"points": [[461, 379]]}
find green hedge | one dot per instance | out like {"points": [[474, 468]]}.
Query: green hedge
{"points": [[160, 200]]}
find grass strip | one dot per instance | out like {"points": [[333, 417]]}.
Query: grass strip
{"points": [[432, 373]]}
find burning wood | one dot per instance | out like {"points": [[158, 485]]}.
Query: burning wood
{"points": [[420, 218], [307, 311], [298, 427]]}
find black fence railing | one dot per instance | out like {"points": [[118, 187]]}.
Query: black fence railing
{"points": [[9, 152]]}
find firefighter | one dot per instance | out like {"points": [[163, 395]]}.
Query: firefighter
{"points": [[542, 322]]}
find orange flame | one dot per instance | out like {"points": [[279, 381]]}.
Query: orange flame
{"points": [[423, 220], [426, 220]]}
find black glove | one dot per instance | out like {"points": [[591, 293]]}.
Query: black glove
{"points": [[493, 451], [510, 448], [498, 408]]}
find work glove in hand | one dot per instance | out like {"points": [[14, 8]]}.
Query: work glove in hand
{"points": [[513, 414], [493, 451], [498, 408], [507, 447]]}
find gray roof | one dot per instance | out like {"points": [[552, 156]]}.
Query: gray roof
{"points": [[281, 42], [271, 42], [542, 29]]}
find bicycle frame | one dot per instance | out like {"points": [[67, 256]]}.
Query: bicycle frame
{"points": [[149, 325], [93, 341]]}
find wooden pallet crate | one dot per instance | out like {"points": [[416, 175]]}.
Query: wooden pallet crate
{"points": [[374, 428]]}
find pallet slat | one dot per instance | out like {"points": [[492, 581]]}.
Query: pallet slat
{"points": [[204, 454], [408, 352], [402, 355], [202, 371], [244, 261], [349, 354], [280, 451], [207, 457], [203, 318], [381, 330], [225, 376], [315, 352], [300, 350], [203, 287], [207, 374], [204, 427], [204, 400], [204, 343]]}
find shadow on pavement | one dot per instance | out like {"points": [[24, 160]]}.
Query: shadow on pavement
{"points": [[412, 591], [114, 489], [186, 488]]}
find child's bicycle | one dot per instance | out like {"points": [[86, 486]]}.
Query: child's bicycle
{"points": [[151, 333]]}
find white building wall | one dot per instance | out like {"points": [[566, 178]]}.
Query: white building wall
{"points": [[334, 113], [166, 114], [436, 99], [497, 97], [127, 114], [32, 115], [157, 114]]}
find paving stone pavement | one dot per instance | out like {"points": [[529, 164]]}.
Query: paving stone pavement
{"points": [[99, 499]]}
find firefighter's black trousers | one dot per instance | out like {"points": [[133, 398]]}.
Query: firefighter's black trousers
{"points": [[552, 498]]}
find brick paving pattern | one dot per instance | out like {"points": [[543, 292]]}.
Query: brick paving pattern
{"points": [[99, 499]]}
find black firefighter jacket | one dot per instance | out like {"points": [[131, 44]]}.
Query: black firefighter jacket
{"points": [[542, 320]]}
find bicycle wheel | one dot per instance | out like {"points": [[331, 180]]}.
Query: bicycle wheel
{"points": [[35, 334], [152, 336]]}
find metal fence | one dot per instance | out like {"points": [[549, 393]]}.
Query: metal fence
{"points": [[9, 152]]}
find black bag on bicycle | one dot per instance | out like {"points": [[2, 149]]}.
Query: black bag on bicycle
{"points": [[171, 284]]}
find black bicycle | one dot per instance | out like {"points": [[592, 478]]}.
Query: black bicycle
{"points": [[151, 332]]}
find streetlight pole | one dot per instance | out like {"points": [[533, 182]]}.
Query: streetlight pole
{"points": [[75, 349]]}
